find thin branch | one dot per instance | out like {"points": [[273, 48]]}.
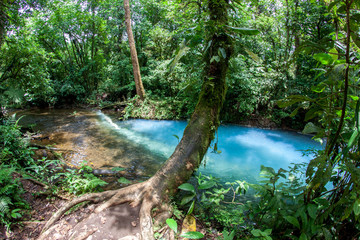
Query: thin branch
{"points": [[346, 87]]}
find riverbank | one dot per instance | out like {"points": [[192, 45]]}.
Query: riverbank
{"points": [[89, 129]]}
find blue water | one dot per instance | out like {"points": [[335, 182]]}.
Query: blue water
{"points": [[243, 149]]}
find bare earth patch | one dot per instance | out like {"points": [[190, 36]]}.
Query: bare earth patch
{"points": [[113, 223]]}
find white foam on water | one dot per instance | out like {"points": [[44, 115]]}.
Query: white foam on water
{"points": [[154, 146]]}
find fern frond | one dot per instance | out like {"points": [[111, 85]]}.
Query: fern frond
{"points": [[4, 204], [5, 173], [5, 190]]}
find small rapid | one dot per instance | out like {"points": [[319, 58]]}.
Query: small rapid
{"points": [[136, 137]]}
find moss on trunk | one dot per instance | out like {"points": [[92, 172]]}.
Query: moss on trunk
{"points": [[204, 122]]}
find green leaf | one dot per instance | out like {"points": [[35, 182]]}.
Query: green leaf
{"points": [[223, 53], [227, 235], [324, 58], [303, 236], [207, 185], [124, 180], [356, 39], [311, 128], [172, 224], [292, 100], [334, 54], [191, 208], [312, 113], [244, 31], [312, 210], [267, 232], [353, 138], [180, 52], [332, 4], [356, 207], [187, 199], [177, 137], [256, 232], [327, 234], [215, 58], [267, 171], [253, 55], [293, 221], [355, 98], [192, 235], [187, 187]]}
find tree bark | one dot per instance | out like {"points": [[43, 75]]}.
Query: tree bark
{"points": [[134, 59], [3, 21]]}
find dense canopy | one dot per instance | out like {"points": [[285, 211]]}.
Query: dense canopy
{"points": [[290, 64]]}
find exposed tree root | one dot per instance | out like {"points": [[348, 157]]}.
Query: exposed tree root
{"points": [[141, 193], [92, 197]]}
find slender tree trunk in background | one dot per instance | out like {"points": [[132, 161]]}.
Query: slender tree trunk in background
{"points": [[134, 59], [3, 21]]}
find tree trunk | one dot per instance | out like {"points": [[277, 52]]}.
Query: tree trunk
{"points": [[204, 122], [3, 21], [134, 59], [195, 142]]}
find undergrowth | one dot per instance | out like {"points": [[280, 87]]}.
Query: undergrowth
{"points": [[16, 160], [274, 208], [166, 108]]}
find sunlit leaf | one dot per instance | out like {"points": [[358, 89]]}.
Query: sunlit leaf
{"points": [[334, 54], [191, 208], [172, 224], [207, 185], [356, 207], [244, 31], [187, 187], [324, 58], [253, 55]]}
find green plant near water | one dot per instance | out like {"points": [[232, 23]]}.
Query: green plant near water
{"points": [[81, 181], [11, 202], [14, 149], [214, 202], [45, 169]]}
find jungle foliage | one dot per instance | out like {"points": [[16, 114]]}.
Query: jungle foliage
{"points": [[295, 62], [17, 160], [64, 51]]}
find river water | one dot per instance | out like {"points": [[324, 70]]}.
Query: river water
{"points": [[141, 146]]}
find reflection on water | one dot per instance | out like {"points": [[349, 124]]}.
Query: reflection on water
{"points": [[141, 146]]}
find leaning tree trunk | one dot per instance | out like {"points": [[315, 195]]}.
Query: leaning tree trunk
{"points": [[134, 59], [196, 139]]}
